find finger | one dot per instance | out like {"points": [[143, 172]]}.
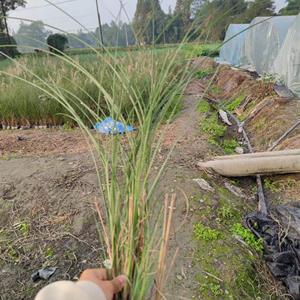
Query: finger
{"points": [[118, 284], [102, 274], [99, 274]]}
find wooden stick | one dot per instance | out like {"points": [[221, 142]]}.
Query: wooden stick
{"points": [[276, 143]]}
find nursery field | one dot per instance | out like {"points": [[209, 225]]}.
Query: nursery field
{"points": [[72, 198], [28, 101]]}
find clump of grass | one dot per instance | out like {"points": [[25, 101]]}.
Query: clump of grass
{"points": [[271, 186], [235, 103], [203, 107], [23, 228], [205, 233], [248, 237], [203, 73], [225, 213], [229, 146], [213, 128], [214, 89], [214, 288], [196, 50]]}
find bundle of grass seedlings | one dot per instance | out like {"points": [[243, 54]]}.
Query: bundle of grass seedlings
{"points": [[143, 89]]}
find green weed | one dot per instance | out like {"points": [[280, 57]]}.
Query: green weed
{"points": [[214, 288], [202, 232], [225, 213], [49, 253], [254, 189], [213, 128], [271, 186], [195, 50], [234, 104], [13, 254], [203, 107], [214, 89], [248, 237], [270, 78], [201, 74], [24, 228], [229, 146], [259, 125]]}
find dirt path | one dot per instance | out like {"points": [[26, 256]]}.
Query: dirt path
{"points": [[191, 147]]}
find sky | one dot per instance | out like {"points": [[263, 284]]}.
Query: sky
{"points": [[83, 11]]}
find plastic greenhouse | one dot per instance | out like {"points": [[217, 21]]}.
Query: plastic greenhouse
{"points": [[264, 41], [287, 63], [232, 50]]}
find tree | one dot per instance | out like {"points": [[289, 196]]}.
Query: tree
{"points": [[118, 34], [5, 7], [258, 8], [57, 43], [213, 17], [30, 36], [81, 39], [292, 8], [148, 23], [4, 42], [183, 16]]}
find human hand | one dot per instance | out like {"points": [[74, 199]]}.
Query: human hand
{"points": [[99, 277]]}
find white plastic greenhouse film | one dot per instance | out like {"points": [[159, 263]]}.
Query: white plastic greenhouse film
{"points": [[264, 41], [231, 51], [287, 63]]}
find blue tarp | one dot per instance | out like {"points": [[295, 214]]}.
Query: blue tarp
{"points": [[111, 126]]}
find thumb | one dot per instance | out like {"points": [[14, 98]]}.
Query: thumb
{"points": [[118, 283]]}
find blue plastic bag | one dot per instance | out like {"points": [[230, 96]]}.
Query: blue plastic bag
{"points": [[110, 126]]}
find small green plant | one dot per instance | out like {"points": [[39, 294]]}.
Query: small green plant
{"points": [[201, 74], [214, 89], [234, 104], [291, 182], [225, 212], [194, 50], [24, 228], [203, 107], [205, 233], [49, 253], [259, 125], [212, 127], [13, 254], [229, 146], [248, 237], [214, 288], [254, 189], [270, 78], [271, 186]]}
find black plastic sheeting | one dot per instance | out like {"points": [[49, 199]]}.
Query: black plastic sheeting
{"points": [[280, 231], [43, 274]]}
